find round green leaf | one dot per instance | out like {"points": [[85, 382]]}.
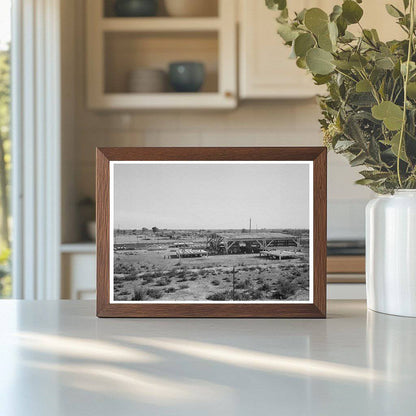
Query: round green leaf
{"points": [[327, 40], [375, 35], [391, 114], [303, 43], [411, 90], [394, 144], [276, 4], [393, 11], [286, 32], [319, 61], [300, 16], [321, 79], [324, 42], [403, 66], [342, 25], [351, 11], [342, 64], [358, 61], [316, 20], [301, 63], [385, 63], [363, 86], [333, 32], [336, 12]]}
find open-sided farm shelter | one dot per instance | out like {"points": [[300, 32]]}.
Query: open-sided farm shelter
{"points": [[231, 243]]}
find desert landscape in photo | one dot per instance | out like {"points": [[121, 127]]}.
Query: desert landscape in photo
{"points": [[210, 232], [181, 265]]}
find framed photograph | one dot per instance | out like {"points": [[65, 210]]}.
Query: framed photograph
{"points": [[211, 232]]}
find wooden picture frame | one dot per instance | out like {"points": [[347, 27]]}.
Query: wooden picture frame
{"points": [[315, 307]]}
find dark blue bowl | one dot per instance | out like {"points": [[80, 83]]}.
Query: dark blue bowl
{"points": [[136, 8], [186, 76]]}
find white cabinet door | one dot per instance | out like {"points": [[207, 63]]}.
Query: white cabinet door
{"points": [[265, 68], [78, 276]]}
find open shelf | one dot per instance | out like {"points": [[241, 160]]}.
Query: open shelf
{"points": [[80, 247], [116, 46], [160, 24], [166, 101], [127, 51], [108, 9]]}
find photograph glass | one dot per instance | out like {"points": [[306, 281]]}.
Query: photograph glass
{"points": [[199, 231]]}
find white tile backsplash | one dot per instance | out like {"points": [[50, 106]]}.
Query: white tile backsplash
{"points": [[346, 219]]}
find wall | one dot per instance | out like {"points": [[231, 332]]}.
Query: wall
{"points": [[265, 123]]}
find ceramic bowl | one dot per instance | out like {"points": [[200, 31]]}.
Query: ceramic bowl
{"points": [[186, 76], [135, 8], [147, 80]]}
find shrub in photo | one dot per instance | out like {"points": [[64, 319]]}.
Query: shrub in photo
{"points": [[183, 286], [139, 293], [154, 293], [220, 296], [284, 288], [163, 281]]}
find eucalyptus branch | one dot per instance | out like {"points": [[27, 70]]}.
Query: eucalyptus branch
{"points": [[373, 89], [364, 115], [406, 80], [392, 90], [346, 75], [398, 95], [369, 41]]}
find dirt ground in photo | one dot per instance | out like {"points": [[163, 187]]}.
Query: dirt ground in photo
{"points": [[151, 272]]}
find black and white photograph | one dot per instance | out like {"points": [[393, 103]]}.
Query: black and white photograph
{"points": [[211, 232]]}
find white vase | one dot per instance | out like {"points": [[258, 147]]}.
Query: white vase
{"points": [[391, 253]]}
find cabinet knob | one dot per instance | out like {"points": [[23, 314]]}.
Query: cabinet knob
{"points": [[228, 94]]}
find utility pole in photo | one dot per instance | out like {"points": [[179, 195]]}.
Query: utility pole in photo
{"points": [[233, 282]]}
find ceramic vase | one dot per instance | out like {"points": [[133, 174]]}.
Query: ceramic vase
{"points": [[391, 253]]}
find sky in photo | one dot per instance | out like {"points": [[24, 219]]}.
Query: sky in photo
{"points": [[211, 196]]}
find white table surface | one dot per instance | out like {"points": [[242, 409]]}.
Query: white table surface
{"points": [[57, 359]]}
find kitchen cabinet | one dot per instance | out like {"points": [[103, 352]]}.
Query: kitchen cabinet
{"points": [[265, 70], [118, 45], [78, 263]]}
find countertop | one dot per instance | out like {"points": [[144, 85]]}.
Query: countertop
{"points": [[58, 359]]}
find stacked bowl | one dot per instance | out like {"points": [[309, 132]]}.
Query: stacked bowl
{"points": [[147, 80]]}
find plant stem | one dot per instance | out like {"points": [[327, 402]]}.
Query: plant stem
{"points": [[373, 89], [346, 75], [406, 80], [369, 41]]}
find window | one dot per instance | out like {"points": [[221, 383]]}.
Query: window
{"points": [[5, 145]]}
